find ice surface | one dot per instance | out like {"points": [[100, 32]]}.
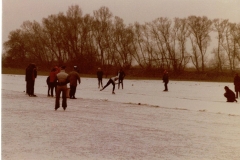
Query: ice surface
{"points": [[190, 122], [198, 96]]}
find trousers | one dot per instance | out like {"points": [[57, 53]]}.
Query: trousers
{"points": [[110, 82], [72, 91], [59, 90]]}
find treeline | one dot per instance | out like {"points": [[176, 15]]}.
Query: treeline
{"points": [[102, 40]]}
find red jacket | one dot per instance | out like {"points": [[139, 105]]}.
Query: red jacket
{"points": [[52, 76]]}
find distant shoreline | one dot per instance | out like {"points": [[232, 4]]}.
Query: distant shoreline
{"points": [[208, 76]]}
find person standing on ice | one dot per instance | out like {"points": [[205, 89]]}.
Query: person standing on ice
{"points": [[73, 78], [229, 94], [236, 82], [121, 75], [31, 75], [111, 81], [99, 76], [52, 81], [62, 82], [165, 80], [27, 78]]}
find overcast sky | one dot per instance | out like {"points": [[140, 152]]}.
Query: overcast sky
{"points": [[15, 12]]}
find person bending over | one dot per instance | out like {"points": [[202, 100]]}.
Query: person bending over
{"points": [[229, 94], [111, 81]]}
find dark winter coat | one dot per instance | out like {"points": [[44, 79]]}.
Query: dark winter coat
{"points": [[99, 74], [237, 83], [48, 80], [165, 78], [73, 77], [31, 73], [121, 74], [230, 95]]}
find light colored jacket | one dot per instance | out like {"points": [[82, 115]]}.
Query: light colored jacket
{"points": [[62, 76], [114, 78]]}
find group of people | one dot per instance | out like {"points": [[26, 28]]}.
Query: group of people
{"points": [[57, 83], [52, 81], [120, 77], [229, 94], [63, 79], [58, 79]]}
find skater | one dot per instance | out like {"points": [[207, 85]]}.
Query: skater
{"points": [[52, 81], [31, 75], [111, 81], [165, 80], [73, 78], [27, 78], [58, 69], [99, 76], [61, 88], [236, 82], [121, 76], [48, 84], [229, 94]]}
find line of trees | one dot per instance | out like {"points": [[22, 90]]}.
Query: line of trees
{"points": [[102, 40]]}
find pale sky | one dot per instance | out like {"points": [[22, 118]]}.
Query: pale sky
{"points": [[15, 12]]}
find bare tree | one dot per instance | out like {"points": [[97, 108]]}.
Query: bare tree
{"points": [[102, 25], [199, 28], [27, 44], [237, 34], [72, 32], [87, 40], [219, 26], [15, 49], [180, 30], [137, 44], [34, 41], [161, 33], [230, 45], [195, 55], [235, 40], [148, 47], [122, 39], [170, 42], [53, 29]]}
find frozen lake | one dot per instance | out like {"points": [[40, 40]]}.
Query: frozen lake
{"points": [[191, 121], [198, 96]]}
